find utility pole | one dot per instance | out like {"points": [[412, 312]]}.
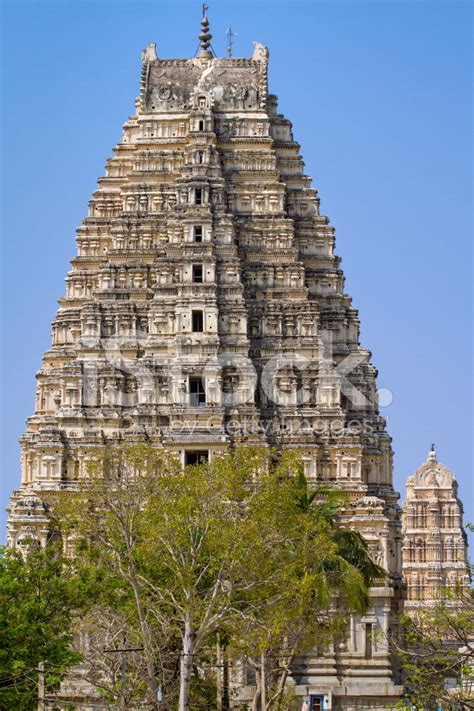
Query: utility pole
{"points": [[219, 673], [263, 682], [40, 670], [123, 668]]}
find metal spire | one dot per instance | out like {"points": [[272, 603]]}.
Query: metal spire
{"points": [[230, 38], [205, 36]]}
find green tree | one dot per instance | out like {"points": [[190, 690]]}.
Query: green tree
{"points": [[189, 546], [352, 561], [437, 653], [39, 596], [225, 548], [103, 526], [326, 571]]}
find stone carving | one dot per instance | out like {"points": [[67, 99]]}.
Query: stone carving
{"points": [[149, 53], [260, 53], [235, 84], [164, 92], [433, 536], [200, 263]]}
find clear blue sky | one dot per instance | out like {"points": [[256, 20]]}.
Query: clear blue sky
{"points": [[379, 96]]}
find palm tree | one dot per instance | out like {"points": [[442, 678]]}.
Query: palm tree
{"points": [[352, 564], [346, 575]]}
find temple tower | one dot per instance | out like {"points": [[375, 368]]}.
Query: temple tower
{"points": [[205, 306], [434, 541]]}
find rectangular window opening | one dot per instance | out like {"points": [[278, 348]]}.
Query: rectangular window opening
{"points": [[368, 641], [197, 392], [195, 456], [198, 321], [317, 703], [198, 196], [197, 273], [198, 233]]}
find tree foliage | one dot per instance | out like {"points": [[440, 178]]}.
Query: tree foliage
{"points": [[326, 572], [437, 653], [239, 549], [39, 596]]}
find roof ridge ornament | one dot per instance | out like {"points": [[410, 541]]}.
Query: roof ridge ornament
{"points": [[432, 454], [205, 36]]}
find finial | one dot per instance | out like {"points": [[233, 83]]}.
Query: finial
{"points": [[230, 39], [205, 36], [432, 454]]}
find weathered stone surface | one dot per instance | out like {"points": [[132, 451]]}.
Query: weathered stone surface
{"points": [[434, 541], [205, 306]]}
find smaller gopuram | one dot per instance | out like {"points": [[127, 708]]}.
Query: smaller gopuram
{"points": [[434, 541]]}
